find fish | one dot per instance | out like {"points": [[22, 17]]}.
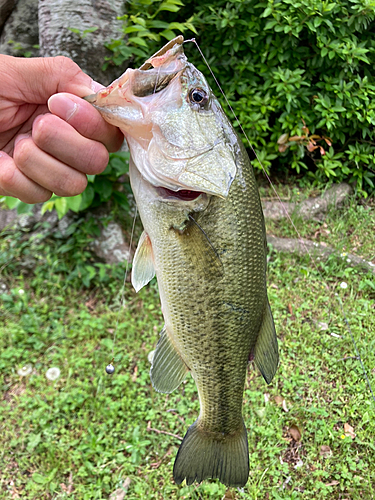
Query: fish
{"points": [[204, 238]]}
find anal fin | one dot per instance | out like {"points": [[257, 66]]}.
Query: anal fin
{"points": [[266, 352], [143, 269], [168, 369]]}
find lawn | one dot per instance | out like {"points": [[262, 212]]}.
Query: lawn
{"points": [[86, 434]]}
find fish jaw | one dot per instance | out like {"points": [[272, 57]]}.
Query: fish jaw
{"points": [[175, 143]]}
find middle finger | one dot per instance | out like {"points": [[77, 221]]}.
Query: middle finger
{"points": [[59, 139]]}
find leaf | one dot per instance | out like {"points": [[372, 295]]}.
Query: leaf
{"points": [[47, 206], [103, 187], [87, 197], [138, 41], [24, 208], [295, 432], [283, 139], [229, 495], [61, 205], [34, 440], [325, 451], [11, 202], [281, 402], [267, 12], [169, 7], [38, 478], [74, 202], [349, 431]]}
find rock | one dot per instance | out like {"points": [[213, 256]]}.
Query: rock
{"points": [[110, 245], [20, 32], [9, 218], [317, 250], [312, 208]]}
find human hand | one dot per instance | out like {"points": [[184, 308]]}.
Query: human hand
{"points": [[50, 138]]}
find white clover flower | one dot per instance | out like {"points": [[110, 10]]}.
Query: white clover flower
{"points": [[53, 373], [25, 370], [21, 292], [343, 285]]}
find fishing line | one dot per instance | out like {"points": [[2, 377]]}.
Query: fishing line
{"points": [[287, 214], [110, 369]]}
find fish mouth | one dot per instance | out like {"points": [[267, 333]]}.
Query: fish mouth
{"points": [[181, 195]]}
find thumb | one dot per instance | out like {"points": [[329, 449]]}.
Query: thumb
{"points": [[35, 80]]}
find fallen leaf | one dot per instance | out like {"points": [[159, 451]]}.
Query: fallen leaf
{"points": [[349, 431], [120, 493], [333, 483], [135, 373], [325, 451], [279, 400], [295, 432], [266, 397], [229, 495]]}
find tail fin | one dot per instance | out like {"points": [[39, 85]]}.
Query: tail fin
{"points": [[204, 455]]}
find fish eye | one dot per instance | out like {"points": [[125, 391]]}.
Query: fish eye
{"points": [[198, 96]]}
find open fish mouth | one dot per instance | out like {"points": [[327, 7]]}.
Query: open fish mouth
{"points": [[173, 124], [181, 195]]}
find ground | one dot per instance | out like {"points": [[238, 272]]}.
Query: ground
{"points": [[86, 434]]}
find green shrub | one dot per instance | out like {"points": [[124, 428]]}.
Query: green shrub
{"points": [[299, 75]]}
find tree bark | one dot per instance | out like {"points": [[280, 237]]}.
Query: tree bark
{"points": [[6, 7], [57, 18], [19, 33]]}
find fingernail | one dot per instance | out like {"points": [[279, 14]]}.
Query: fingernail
{"points": [[21, 137], [62, 106], [96, 86]]}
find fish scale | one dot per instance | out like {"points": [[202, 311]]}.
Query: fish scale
{"points": [[207, 246]]}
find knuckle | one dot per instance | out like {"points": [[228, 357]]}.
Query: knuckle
{"points": [[8, 177], [23, 153], [71, 185], [42, 131], [97, 160], [66, 65], [39, 197]]}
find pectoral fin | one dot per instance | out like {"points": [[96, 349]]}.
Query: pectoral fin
{"points": [[266, 353], [168, 369], [143, 263]]}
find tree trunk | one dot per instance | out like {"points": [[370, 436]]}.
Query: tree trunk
{"points": [[19, 27], [64, 29]]}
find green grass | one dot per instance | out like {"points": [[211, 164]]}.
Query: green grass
{"points": [[81, 436]]}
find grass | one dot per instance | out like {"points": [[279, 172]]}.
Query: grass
{"points": [[84, 435]]}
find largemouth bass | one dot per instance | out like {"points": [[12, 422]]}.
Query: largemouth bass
{"points": [[204, 237]]}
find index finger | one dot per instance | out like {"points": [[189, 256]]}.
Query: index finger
{"points": [[82, 116]]}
